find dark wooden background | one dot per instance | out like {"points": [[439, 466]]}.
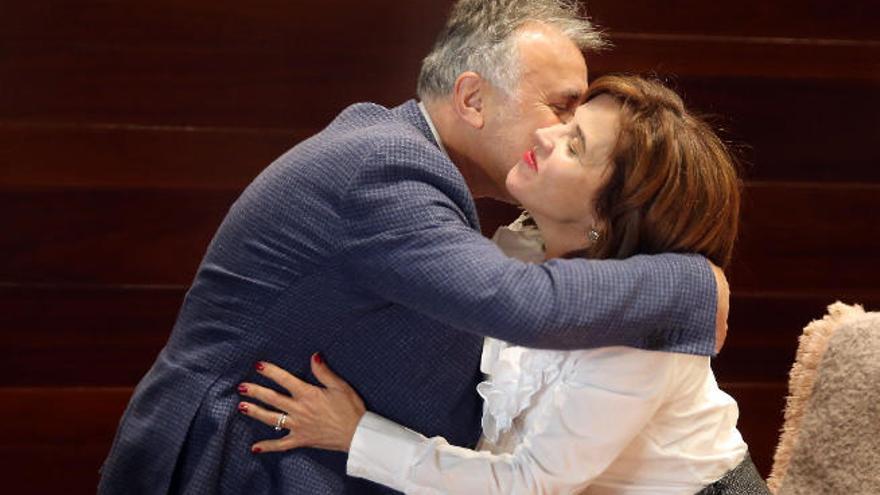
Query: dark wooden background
{"points": [[127, 128]]}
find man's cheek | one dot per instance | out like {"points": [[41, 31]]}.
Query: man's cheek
{"points": [[552, 119]]}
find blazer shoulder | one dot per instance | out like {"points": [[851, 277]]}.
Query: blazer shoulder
{"points": [[395, 142]]}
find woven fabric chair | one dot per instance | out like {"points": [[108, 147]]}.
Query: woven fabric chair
{"points": [[830, 442]]}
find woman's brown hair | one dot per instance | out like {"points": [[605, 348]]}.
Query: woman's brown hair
{"points": [[673, 185]]}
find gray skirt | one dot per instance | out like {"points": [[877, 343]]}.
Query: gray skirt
{"points": [[741, 480]]}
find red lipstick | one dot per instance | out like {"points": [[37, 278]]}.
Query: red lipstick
{"points": [[529, 159]]}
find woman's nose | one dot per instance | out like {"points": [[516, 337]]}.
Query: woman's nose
{"points": [[544, 137]]}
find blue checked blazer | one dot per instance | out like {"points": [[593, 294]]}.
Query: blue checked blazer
{"points": [[363, 243]]}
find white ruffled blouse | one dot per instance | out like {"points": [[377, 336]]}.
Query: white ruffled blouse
{"points": [[613, 420]]}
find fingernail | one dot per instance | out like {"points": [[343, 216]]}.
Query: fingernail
{"points": [[318, 358], [242, 389], [243, 407], [256, 450], [259, 366]]}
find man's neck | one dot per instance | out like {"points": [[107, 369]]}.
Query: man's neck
{"points": [[460, 148]]}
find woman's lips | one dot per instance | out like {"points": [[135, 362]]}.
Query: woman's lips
{"points": [[529, 159]]}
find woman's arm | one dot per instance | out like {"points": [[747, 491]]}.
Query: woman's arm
{"points": [[582, 425]]}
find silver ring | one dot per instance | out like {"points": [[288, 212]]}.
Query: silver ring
{"points": [[280, 423]]}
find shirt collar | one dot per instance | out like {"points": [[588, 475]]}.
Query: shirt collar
{"points": [[431, 126]]}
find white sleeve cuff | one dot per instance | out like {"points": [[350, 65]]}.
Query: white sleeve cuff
{"points": [[383, 451]]}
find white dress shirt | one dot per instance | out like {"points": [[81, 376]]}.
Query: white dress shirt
{"points": [[612, 420]]}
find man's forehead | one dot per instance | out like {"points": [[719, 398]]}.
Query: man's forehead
{"points": [[551, 64]]}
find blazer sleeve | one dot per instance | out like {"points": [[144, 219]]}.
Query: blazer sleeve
{"points": [[407, 241]]}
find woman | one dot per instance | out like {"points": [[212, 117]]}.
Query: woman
{"points": [[633, 173]]}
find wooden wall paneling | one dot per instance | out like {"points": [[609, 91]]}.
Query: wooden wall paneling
{"points": [[761, 407], [809, 238], [262, 92], [802, 131], [279, 66], [114, 236], [180, 21], [127, 130], [68, 431], [46, 415], [208, 63], [159, 236], [109, 336], [846, 19], [718, 56], [83, 336], [764, 331], [120, 156], [53, 440], [54, 468], [792, 238], [793, 130]]}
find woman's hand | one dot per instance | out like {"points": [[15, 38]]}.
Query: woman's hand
{"points": [[323, 418], [722, 310]]}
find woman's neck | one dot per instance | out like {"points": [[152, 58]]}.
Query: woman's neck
{"points": [[561, 238]]}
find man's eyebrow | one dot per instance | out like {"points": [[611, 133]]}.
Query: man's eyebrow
{"points": [[572, 94]]}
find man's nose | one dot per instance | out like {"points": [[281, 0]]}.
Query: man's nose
{"points": [[565, 117]]}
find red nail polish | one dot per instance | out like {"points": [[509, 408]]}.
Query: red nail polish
{"points": [[318, 358], [242, 389], [256, 450], [243, 407], [259, 366]]}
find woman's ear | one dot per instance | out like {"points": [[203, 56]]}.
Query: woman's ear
{"points": [[468, 98]]}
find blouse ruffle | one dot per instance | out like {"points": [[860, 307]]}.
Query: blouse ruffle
{"points": [[514, 375]]}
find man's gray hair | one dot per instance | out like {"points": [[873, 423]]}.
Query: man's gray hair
{"points": [[478, 37]]}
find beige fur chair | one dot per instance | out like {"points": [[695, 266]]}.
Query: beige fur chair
{"points": [[830, 442]]}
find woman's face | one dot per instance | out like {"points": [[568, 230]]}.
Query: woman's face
{"points": [[557, 180]]}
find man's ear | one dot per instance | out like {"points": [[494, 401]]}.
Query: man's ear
{"points": [[468, 98]]}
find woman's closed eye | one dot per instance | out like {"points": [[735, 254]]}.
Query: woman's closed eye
{"points": [[575, 145], [576, 142]]}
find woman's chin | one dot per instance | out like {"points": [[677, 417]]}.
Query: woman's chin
{"points": [[515, 189]]}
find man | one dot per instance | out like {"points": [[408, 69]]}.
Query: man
{"points": [[363, 243]]}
